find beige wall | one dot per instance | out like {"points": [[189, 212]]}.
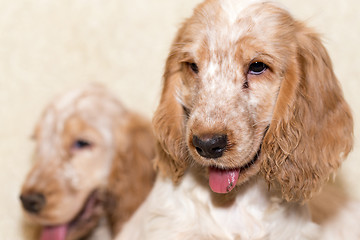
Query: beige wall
{"points": [[49, 46]]}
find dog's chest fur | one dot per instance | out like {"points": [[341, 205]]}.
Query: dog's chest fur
{"points": [[190, 211]]}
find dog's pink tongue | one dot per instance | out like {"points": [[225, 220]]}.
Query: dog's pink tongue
{"points": [[222, 181], [54, 232]]}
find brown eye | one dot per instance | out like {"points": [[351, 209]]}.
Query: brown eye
{"points": [[257, 68], [186, 111], [194, 67], [81, 144]]}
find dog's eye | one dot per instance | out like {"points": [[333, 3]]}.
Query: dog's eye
{"points": [[257, 68], [194, 67], [81, 144], [186, 111]]}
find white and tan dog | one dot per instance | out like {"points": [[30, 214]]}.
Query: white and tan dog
{"points": [[249, 100], [92, 156]]}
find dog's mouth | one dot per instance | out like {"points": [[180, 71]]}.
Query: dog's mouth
{"points": [[62, 231], [224, 180]]}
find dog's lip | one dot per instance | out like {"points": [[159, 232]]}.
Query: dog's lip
{"points": [[256, 156], [243, 167], [252, 162], [88, 207], [91, 202]]}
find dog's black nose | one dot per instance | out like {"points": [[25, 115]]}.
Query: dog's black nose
{"points": [[210, 147], [33, 202]]}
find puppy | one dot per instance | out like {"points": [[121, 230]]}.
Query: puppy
{"points": [[251, 124], [93, 157]]}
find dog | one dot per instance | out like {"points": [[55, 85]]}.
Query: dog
{"points": [[251, 124], [93, 158]]}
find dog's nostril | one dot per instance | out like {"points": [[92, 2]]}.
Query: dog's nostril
{"points": [[210, 147], [199, 150], [33, 202]]}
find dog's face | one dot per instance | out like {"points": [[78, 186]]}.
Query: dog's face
{"points": [[231, 74], [75, 147], [245, 86]]}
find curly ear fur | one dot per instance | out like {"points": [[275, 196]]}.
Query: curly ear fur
{"points": [[168, 121], [312, 128]]}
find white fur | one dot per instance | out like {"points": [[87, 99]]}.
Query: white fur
{"points": [[187, 211], [233, 8]]}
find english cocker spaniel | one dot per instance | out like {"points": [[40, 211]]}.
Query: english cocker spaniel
{"points": [[251, 124], [93, 157]]}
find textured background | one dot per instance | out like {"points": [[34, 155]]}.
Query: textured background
{"points": [[48, 46]]}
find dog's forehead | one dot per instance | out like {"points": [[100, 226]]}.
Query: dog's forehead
{"points": [[96, 107], [220, 23]]}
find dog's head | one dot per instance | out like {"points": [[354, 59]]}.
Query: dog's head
{"points": [[249, 89], [78, 138]]}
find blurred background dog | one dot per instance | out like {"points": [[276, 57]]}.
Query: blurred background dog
{"points": [[93, 158]]}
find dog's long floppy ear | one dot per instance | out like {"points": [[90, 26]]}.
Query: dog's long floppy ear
{"points": [[132, 174], [168, 122], [312, 128]]}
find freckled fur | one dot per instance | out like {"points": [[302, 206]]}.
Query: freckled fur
{"points": [[118, 164], [294, 112]]}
